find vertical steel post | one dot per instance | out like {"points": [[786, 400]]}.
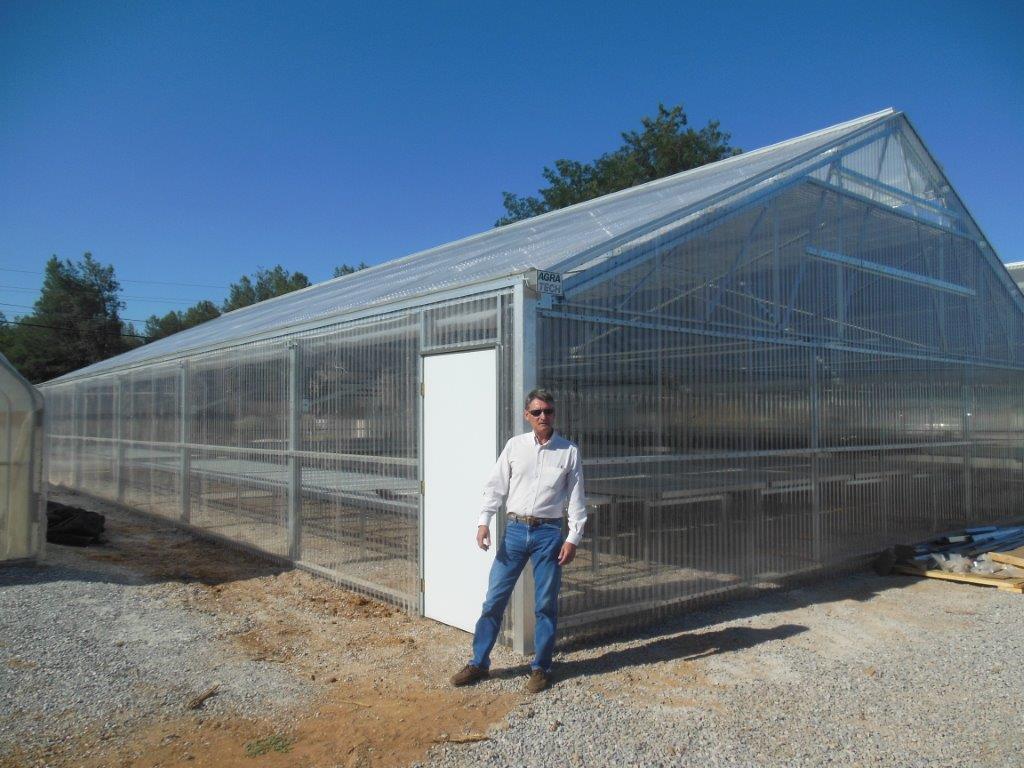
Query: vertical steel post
{"points": [[421, 345], [294, 445], [184, 439], [967, 413], [659, 363], [76, 440], [840, 275], [119, 475], [776, 271], [40, 476], [524, 340], [816, 449]]}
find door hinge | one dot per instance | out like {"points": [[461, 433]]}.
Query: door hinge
{"points": [[421, 487], [422, 389], [423, 585]]}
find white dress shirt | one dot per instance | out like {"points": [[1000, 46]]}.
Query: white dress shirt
{"points": [[538, 480]]}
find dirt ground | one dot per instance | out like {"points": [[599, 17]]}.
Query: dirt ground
{"points": [[845, 671], [380, 697]]}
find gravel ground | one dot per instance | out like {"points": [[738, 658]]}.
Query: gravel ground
{"points": [[857, 671], [81, 646], [862, 671]]}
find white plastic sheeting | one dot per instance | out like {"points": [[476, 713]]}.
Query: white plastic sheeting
{"points": [[22, 501], [560, 240]]}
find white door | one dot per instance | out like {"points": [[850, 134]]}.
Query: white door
{"points": [[460, 434]]}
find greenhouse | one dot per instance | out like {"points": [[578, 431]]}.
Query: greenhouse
{"points": [[22, 494], [1016, 270], [772, 364]]}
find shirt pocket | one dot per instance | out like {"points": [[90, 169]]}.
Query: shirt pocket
{"points": [[551, 477]]}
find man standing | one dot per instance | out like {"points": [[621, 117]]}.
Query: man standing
{"points": [[538, 475]]}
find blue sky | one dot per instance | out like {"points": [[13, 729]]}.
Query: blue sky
{"points": [[190, 142]]}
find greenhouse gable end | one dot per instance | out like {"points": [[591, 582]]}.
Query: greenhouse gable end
{"points": [[772, 364]]}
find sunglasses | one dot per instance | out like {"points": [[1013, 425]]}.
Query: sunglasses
{"points": [[538, 411]]}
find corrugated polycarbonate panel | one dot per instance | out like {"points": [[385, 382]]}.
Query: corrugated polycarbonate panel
{"points": [[360, 483], [304, 448], [815, 378], [558, 239], [241, 496]]}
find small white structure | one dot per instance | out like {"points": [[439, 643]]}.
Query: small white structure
{"points": [[22, 497], [1016, 270]]}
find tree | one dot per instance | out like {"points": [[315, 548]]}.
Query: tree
{"points": [[348, 269], [74, 322], [176, 320], [264, 284], [6, 329], [665, 146]]}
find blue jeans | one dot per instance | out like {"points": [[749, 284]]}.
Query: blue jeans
{"points": [[541, 545]]}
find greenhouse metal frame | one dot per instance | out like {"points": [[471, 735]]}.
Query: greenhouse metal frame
{"points": [[772, 364], [22, 490]]}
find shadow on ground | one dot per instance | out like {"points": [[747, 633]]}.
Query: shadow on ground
{"points": [[136, 549], [678, 637], [686, 646]]}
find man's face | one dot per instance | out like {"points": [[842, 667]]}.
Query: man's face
{"points": [[544, 421]]}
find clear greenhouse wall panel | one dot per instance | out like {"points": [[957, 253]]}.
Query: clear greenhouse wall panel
{"points": [[305, 448], [814, 378]]}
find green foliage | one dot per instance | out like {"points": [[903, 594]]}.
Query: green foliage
{"points": [[348, 269], [264, 284], [176, 320], [663, 147], [75, 321], [5, 332], [275, 743]]}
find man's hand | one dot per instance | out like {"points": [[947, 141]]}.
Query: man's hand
{"points": [[567, 554], [483, 537]]}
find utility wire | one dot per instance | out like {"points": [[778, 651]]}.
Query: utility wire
{"points": [[120, 280], [65, 328], [161, 299], [26, 306]]}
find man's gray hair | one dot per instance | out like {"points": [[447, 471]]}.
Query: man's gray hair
{"points": [[539, 394]]}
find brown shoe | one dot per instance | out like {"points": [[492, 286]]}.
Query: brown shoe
{"points": [[469, 674], [538, 681]]}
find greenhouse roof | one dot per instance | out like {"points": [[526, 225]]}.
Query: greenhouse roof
{"points": [[570, 238], [16, 394]]}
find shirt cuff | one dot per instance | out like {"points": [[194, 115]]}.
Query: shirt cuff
{"points": [[574, 538], [484, 519]]}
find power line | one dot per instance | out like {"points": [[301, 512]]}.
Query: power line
{"points": [[161, 299], [65, 328], [20, 306], [26, 306], [120, 280]]}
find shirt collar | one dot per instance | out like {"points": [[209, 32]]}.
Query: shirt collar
{"points": [[548, 444]]}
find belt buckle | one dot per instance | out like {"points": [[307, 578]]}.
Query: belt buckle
{"points": [[527, 520]]}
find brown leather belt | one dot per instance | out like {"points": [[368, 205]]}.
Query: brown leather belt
{"points": [[530, 520]]}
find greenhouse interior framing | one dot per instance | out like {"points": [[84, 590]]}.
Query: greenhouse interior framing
{"points": [[772, 364]]}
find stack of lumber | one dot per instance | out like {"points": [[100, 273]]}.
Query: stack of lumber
{"points": [[991, 556]]}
